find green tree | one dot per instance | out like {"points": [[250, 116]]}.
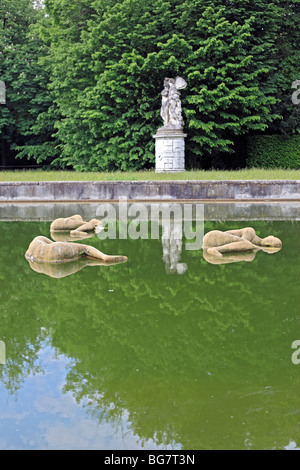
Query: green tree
{"points": [[88, 96], [107, 71], [25, 127], [274, 43], [225, 98]]}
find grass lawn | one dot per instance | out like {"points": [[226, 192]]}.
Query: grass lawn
{"points": [[246, 174]]}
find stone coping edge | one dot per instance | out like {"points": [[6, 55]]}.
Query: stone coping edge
{"points": [[168, 190]]}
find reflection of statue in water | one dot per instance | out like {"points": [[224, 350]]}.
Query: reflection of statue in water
{"points": [[172, 248], [60, 270], [67, 237], [241, 244], [75, 225], [41, 249], [171, 111], [2, 352]]}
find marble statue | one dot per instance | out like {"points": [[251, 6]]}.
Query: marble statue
{"points": [[171, 111], [41, 249], [169, 139], [75, 225], [216, 242]]}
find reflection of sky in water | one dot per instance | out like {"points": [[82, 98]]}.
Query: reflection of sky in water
{"points": [[41, 417], [292, 446]]}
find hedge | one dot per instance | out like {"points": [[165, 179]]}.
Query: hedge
{"points": [[273, 151]]}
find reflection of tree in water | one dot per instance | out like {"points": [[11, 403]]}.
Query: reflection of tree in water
{"points": [[146, 342], [20, 322]]}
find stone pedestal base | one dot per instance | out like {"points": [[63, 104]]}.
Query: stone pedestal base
{"points": [[169, 151]]}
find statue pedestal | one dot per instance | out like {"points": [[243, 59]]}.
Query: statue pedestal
{"points": [[169, 150]]}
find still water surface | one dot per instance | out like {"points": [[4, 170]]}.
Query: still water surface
{"points": [[166, 351]]}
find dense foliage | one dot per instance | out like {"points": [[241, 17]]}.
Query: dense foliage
{"points": [[89, 75], [25, 126], [277, 151]]}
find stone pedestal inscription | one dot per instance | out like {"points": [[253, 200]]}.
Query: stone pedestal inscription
{"points": [[169, 139], [169, 151]]}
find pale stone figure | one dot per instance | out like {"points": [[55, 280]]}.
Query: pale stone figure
{"points": [[169, 139], [243, 240], [75, 225], [164, 111], [171, 111], [41, 249]]}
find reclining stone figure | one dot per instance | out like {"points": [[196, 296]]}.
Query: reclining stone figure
{"points": [[41, 249], [75, 225], [217, 242]]}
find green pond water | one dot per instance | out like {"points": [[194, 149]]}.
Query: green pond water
{"points": [[166, 351]]}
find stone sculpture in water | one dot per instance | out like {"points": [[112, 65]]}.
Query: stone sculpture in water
{"points": [[75, 225], [41, 249], [245, 240], [60, 258]]}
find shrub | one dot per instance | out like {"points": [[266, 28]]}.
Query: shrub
{"points": [[273, 151]]}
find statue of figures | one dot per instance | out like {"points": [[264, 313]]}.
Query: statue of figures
{"points": [[171, 111]]}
